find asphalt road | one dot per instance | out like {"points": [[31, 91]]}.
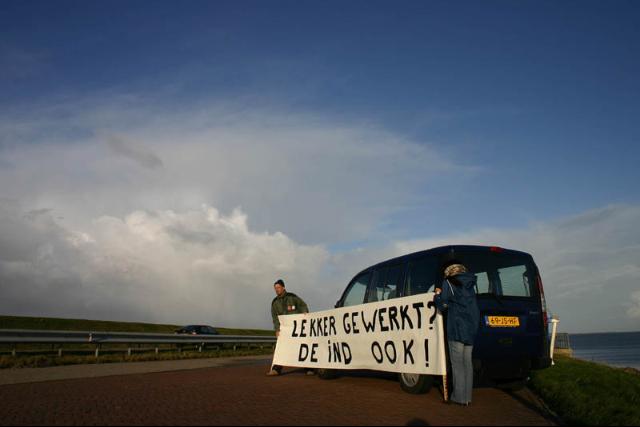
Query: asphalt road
{"points": [[238, 393]]}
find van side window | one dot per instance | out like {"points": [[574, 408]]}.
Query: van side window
{"points": [[357, 291], [482, 283], [385, 283], [422, 276]]}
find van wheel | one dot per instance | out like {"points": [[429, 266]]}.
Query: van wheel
{"points": [[327, 374], [415, 383]]}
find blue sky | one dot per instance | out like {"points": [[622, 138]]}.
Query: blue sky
{"points": [[508, 114]]}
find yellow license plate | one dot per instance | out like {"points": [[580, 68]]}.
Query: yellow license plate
{"points": [[503, 321]]}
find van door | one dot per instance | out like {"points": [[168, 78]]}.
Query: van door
{"points": [[511, 333]]}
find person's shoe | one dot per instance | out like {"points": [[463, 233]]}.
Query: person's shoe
{"points": [[311, 373], [273, 373]]}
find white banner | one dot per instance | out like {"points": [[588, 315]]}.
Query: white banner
{"points": [[403, 335]]}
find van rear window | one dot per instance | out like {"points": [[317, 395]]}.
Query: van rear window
{"points": [[515, 281], [503, 274]]}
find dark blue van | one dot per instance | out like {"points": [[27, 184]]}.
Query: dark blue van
{"points": [[513, 335]]}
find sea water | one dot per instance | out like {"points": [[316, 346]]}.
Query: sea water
{"points": [[613, 349]]}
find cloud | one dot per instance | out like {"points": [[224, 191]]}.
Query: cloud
{"points": [[203, 266], [102, 206], [140, 155], [317, 180], [166, 266], [130, 239]]}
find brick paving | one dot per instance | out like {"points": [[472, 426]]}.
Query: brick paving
{"points": [[36, 375], [242, 395]]}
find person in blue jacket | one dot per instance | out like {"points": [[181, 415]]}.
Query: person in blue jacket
{"points": [[457, 298]]}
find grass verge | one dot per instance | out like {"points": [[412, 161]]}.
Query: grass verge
{"points": [[43, 361], [53, 324], [586, 393]]}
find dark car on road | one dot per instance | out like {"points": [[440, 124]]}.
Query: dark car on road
{"points": [[513, 331], [197, 330]]}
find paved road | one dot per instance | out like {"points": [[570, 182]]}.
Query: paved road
{"points": [[238, 393], [37, 375]]}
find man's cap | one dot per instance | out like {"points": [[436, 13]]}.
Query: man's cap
{"points": [[279, 282]]}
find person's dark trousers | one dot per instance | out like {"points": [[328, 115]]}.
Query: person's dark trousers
{"points": [[462, 371]]}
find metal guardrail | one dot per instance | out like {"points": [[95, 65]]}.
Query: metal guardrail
{"points": [[19, 336]]}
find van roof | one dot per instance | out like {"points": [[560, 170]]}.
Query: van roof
{"points": [[442, 250]]}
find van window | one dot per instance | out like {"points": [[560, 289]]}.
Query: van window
{"points": [[385, 283], [482, 283], [515, 281], [422, 276], [357, 291], [504, 274]]}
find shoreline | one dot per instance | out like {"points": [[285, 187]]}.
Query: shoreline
{"points": [[635, 370]]}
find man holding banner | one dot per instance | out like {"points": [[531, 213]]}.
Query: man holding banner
{"points": [[285, 303], [403, 335]]}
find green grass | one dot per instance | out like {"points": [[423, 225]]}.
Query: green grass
{"points": [[43, 361], [585, 393], [43, 355], [53, 324]]}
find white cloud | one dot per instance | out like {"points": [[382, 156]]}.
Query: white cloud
{"points": [[115, 230], [317, 180], [192, 266], [201, 265], [101, 206]]}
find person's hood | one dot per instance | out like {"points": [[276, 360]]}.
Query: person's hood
{"points": [[466, 280]]}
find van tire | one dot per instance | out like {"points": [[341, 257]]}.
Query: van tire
{"points": [[327, 374], [415, 384]]}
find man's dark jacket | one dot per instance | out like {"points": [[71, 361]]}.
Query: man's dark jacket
{"points": [[288, 303], [458, 299]]}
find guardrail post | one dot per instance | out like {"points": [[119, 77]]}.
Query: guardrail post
{"points": [[157, 351], [60, 352], [14, 351], [129, 352], [97, 350]]}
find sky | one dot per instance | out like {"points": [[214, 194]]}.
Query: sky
{"points": [[167, 162]]}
